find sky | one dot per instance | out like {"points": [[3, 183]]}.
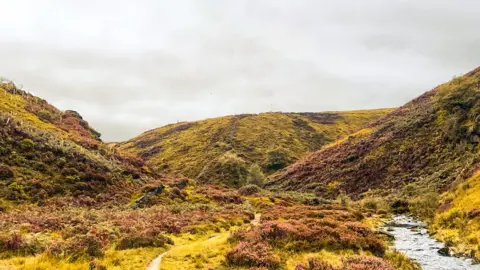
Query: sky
{"points": [[130, 66]]}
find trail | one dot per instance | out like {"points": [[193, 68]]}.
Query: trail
{"points": [[155, 264]]}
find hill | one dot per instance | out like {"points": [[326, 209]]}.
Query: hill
{"points": [[431, 140], [426, 147], [222, 149], [46, 153], [69, 201]]}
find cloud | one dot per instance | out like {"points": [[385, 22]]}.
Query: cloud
{"points": [[131, 66]]}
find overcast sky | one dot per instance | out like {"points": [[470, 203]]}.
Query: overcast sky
{"points": [[129, 66]]}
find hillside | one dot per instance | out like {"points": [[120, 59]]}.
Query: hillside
{"points": [[222, 149], [428, 147], [431, 140], [46, 153], [458, 219]]}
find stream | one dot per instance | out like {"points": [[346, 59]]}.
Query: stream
{"points": [[413, 240]]}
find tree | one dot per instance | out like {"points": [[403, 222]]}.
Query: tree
{"points": [[255, 175]]}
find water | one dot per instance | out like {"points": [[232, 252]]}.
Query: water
{"points": [[419, 246]]}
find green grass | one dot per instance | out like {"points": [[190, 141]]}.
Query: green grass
{"points": [[194, 148], [194, 252]]}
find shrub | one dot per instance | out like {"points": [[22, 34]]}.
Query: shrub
{"points": [[20, 245], [177, 193], [277, 158], [365, 263], [13, 242], [5, 172], [27, 144], [147, 238], [255, 176], [45, 115], [344, 199], [81, 246], [424, 206], [253, 254], [315, 264], [229, 167], [249, 190], [349, 263], [370, 203]]}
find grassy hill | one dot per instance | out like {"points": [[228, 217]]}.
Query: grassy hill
{"points": [[46, 152], [428, 147], [69, 201], [431, 140], [222, 149]]}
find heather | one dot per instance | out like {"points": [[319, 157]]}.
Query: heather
{"points": [[287, 229], [432, 141], [222, 150]]}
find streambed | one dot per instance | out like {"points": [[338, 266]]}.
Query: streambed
{"points": [[413, 240]]}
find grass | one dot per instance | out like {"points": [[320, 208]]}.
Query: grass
{"points": [[456, 223], [333, 258], [431, 141], [194, 252], [113, 259], [192, 148]]}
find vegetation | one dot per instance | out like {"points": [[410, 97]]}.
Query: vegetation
{"points": [[457, 221], [211, 149], [255, 176], [417, 143], [70, 201], [59, 155], [329, 235], [62, 231], [410, 156]]}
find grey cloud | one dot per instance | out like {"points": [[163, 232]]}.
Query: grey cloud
{"points": [[132, 66]]}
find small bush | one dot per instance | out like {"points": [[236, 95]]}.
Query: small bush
{"points": [[13, 242], [5, 172], [20, 245], [424, 206], [81, 246], [249, 190], [278, 158], [27, 144], [255, 176], [45, 115], [147, 238], [315, 264], [253, 254], [344, 199], [370, 204], [349, 263], [365, 263]]}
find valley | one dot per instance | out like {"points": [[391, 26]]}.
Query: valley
{"points": [[301, 191]]}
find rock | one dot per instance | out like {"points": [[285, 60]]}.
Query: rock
{"points": [[387, 234], [445, 251], [158, 189]]}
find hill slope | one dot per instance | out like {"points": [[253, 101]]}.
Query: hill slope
{"points": [[221, 149], [46, 152], [432, 141]]}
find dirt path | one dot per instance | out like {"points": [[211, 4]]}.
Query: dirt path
{"points": [[155, 264]]}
